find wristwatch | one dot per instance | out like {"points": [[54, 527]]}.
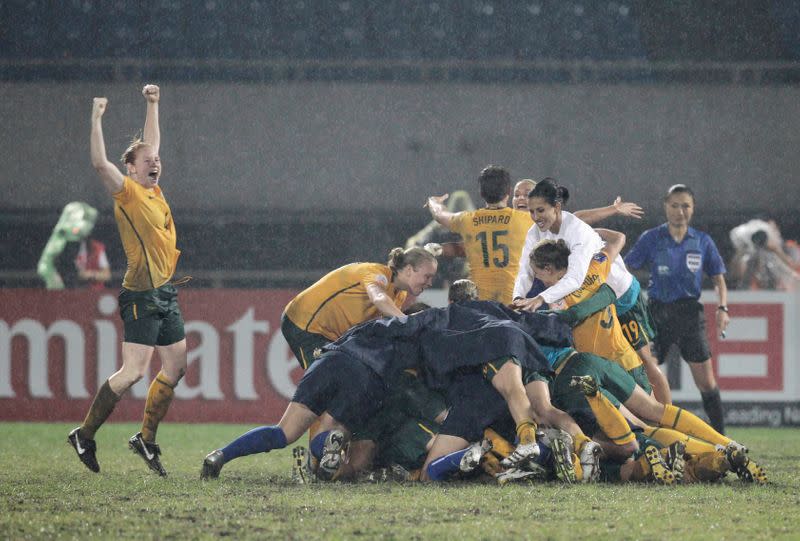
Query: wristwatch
{"points": [[723, 307]]}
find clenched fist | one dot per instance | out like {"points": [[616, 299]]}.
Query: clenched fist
{"points": [[151, 93], [99, 107]]}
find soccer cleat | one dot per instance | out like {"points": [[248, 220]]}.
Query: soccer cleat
{"points": [[561, 445], [212, 465], [299, 471], [472, 458], [747, 470], [587, 384], [660, 473], [523, 454], [332, 455], [85, 448], [674, 457], [149, 452], [516, 474], [590, 461]]}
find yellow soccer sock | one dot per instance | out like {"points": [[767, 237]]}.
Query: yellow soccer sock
{"points": [[611, 421], [580, 440], [639, 469], [706, 467], [159, 397], [491, 464], [689, 423], [102, 406], [667, 436], [526, 431], [500, 446]]}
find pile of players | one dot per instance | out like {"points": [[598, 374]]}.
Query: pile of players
{"points": [[492, 385]]}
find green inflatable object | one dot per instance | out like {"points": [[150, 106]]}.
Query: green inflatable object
{"points": [[75, 224]]}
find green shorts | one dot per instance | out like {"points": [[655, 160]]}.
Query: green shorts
{"points": [[407, 445], [409, 399], [639, 375], [637, 325], [411, 396], [151, 317], [305, 345], [615, 383]]}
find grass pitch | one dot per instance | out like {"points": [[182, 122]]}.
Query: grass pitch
{"points": [[46, 493]]}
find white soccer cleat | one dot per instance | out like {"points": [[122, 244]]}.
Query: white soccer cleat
{"points": [[522, 455], [472, 458], [332, 455], [590, 461]]}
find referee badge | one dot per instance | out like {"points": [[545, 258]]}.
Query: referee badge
{"points": [[693, 261]]}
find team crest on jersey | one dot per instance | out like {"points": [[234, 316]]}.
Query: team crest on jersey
{"points": [[693, 261], [600, 257], [382, 280]]}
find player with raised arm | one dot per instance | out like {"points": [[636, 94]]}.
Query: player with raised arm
{"points": [[148, 303], [492, 236]]}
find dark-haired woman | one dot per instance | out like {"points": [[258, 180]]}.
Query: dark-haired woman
{"points": [[353, 294], [677, 256], [551, 222]]}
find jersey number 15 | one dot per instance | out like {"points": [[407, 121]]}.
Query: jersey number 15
{"points": [[496, 246]]}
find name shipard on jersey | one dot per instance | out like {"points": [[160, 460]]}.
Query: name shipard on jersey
{"points": [[493, 241], [339, 300], [600, 333]]}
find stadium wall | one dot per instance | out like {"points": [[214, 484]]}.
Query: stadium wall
{"points": [[57, 348], [351, 146]]}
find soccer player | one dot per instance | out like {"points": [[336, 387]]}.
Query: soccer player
{"points": [[353, 294], [493, 236], [545, 202], [148, 302], [600, 333], [677, 255]]}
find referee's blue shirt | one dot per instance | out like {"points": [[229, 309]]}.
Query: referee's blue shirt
{"points": [[676, 269]]}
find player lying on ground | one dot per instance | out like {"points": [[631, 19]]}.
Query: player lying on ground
{"points": [[438, 341]]}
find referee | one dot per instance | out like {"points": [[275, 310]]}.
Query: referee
{"points": [[677, 256]]}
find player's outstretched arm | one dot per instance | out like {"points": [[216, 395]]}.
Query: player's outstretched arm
{"points": [[438, 211], [109, 174], [617, 208], [152, 132], [615, 242]]}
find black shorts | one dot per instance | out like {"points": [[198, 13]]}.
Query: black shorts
{"points": [[683, 323], [346, 388], [151, 317], [305, 345], [474, 406]]}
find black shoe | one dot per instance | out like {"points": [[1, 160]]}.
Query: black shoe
{"points": [[212, 465], [85, 448], [149, 452]]}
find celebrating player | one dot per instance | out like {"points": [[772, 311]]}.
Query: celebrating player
{"points": [[148, 302]]}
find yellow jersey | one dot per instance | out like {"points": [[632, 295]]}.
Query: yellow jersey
{"points": [[148, 235], [339, 300], [600, 333], [493, 241]]}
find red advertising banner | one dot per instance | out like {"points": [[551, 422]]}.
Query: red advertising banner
{"points": [[57, 347]]}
